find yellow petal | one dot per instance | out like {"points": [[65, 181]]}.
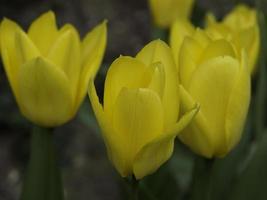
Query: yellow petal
{"points": [[44, 93], [159, 150], [211, 86], [43, 32], [158, 51], [107, 131], [154, 78], [217, 48], [179, 30], [94, 45], [210, 19], [249, 40], [238, 106], [26, 50], [93, 49], [65, 54], [201, 37], [137, 120], [8, 30], [124, 72], [189, 55], [197, 134]]}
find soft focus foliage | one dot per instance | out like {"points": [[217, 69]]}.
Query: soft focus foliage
{"points": [[241, 27], [165, 12], [211, 74], [140, 111], [49, 68]]}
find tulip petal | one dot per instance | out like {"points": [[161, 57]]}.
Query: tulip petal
{"points": [[210, 19], [159, 150], [94, 45], [249, 39], [154, 78], [238, 106], [158, 51], [107, 130], [196, 135], [124, 72], [65, 54], [189, 55], [8, 30], [43, 32], [93, 49], [217, 48], [137, 119], [211, 86], [179, 30], [44, 93], [100, 116], [26, 50]]}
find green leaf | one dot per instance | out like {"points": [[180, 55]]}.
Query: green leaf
{"points": [[260, 105], [252, 183]]}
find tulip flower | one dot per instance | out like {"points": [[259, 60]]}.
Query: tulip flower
{"points": [[49, 68], [139, 116], [212, 74], [240, 27], [167, 11]]}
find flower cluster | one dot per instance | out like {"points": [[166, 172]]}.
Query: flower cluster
{"points": [[197, 89]]}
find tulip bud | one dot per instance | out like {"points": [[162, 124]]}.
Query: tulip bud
{"points": [[212, 74], [240, 27], [165, 12], [139, 116], [49, 68]]}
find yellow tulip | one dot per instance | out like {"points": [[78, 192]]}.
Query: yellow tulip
{"points": [[139, 116], [240, 27], [49, 68], [165, 12], [212, 74]]}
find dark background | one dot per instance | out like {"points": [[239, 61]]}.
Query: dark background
{"points": [[87, 173]]}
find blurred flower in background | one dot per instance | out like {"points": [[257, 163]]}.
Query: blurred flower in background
{"points": [[241, 27], [166, 12], [49, 69]]}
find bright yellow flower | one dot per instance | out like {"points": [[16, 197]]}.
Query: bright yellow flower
{"points": [[139, 118], [49, 68], [212, 74], [165, 12], [240, 27]]}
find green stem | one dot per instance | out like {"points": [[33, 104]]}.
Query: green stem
{"points": [[134, 189], [201, 186], [43, 177]]}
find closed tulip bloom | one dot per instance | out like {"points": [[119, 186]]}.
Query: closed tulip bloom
{"points": [[49, 68], [139, 116], [212, 74], [165, 12], [240, 27]]}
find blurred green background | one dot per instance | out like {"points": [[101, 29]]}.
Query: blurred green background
{"points": [[87, 173]]}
